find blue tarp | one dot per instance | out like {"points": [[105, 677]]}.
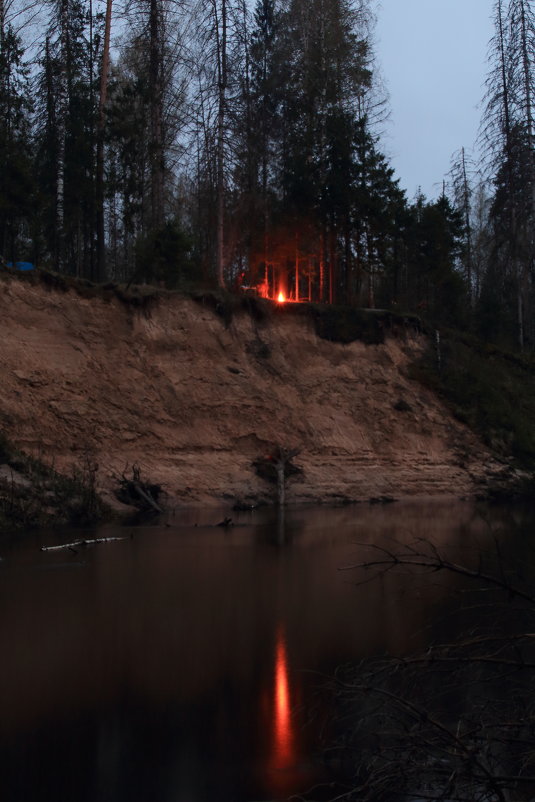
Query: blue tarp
{"points": [[22, 265]]}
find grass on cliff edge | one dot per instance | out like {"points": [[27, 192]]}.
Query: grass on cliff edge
{"points": [[491, 390], [341, 324], [137, 296]]}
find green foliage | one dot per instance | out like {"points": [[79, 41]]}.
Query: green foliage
{"points": [[226, 305], [134, 296], [346, 324], [312, 206], [164, 257], [494, 317], [127, 151], [16, 194], [64, 140], [340, 324], [432, 242], [491, 390]]}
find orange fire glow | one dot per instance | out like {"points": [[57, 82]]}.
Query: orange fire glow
{"points": [[283, 734], [281, 298], [282, 767]]}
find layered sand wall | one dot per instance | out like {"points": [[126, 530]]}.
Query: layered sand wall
{"points": [[194, 401]]}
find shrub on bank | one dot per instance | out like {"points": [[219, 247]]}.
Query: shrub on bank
{"points": [[33, 494], [491, 390]]}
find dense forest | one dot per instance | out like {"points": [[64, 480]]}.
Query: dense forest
{"points": [[219, 142]]}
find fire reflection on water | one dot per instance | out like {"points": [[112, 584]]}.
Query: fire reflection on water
{"points": [[283, 741], [283, 747]]}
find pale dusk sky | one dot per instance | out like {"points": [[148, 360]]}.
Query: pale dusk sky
{"points": [[433, 55]]}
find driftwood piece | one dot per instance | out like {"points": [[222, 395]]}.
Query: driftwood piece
{"points": [[83, 542]]}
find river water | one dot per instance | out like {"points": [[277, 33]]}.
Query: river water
{"points": [[187, 663]]}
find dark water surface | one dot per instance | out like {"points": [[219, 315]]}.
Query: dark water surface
{"points": [[185, 664]]}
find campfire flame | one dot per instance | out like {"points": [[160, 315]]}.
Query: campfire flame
{"points": [[281, 299]]}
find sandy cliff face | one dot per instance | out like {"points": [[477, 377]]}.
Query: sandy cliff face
{"points": [[193, 403]]}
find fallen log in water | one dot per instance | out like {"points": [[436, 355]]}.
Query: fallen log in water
{"points": [[138, 493], [146, 496], [83, 542]]}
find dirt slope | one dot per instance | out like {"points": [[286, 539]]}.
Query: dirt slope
{"points": [[194, 402]]}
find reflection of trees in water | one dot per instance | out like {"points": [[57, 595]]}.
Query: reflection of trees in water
{"points": [[456, 722], [282, 528]]}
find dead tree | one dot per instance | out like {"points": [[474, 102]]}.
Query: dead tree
{"points": [[138, 493], [277, 467], [104, 73]]}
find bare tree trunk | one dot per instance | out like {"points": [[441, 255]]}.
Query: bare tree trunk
{"points": [[371, 270], [322, 267], [281, 484], [520, 314], [282, 461], [296, 266], [221, 43], [332, 264], [61, 133], [4, 82], [3, 92], [2, 26], [528, 256], [156, 114], [349, 284], [467, 222], [507, 131], [101, 253], [526, 70]]}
